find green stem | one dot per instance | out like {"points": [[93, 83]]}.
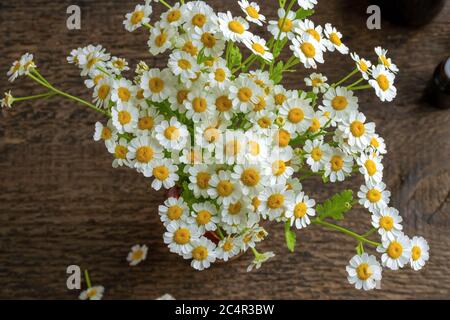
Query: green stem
{"points": [[166, 4], [88, 280], [351, 74], [367, 86], [147, 25], [358, 237], [355, 83], [255, 252], [220, 233], [37, 96]]}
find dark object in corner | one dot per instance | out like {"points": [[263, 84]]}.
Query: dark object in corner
{"points": [[413, 13], [438, 92]]}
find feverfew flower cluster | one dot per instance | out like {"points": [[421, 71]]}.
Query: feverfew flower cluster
{"points": [[231, 144]]}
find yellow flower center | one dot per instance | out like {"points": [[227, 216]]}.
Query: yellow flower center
{"points": [[296, 115], [254, 148], [145, 123], [156, 85], [374, 143], [173, 15], [255, 203], [91, 293], [140, 94], [371, 167], [174, 212], [119, 64], [250, 177], [235, 208], [137, 255], [383, 82], [106, 133], [316, 82], [252, 12], [334, 38], [120, 152], [199, 104], [172, 133], [373, 195], [339, 103], [203, 180], [275, 201], [315, 125], [394, 250], [97, 78], [278, 167], [208, 40], [199, 20], [314, 33], [200, 253], [416, 252], [280, 99], [285, 25], [161, 172], [227, 246], [212, 134], [245, 94], [258, 48], [225, 188], [363, 66], [363, 271], [124, 94], [124, 117], [264, 122], [300, 210], [137, 17], [385, 61], [233, 147], [317, 154], [103, 91], [182, 96], [336, 163], [144, 154], [260, 105], [182, 236], [387, 223], [284, 137], [190, 48], [220, 75], [223, 104], [357, 128], [203, 217], [161, 39], [184, 64], [308, 49], [236, 27]]}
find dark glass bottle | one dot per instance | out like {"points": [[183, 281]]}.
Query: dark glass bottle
{"points": [[410, 12], [439, 89]]}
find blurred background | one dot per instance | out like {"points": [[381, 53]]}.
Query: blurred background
{"points": [[62, 203]]}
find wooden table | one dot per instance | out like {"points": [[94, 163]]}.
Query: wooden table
{"points": [[61, 203]]}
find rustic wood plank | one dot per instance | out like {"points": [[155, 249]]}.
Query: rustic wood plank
{"points": [[61, 202]]}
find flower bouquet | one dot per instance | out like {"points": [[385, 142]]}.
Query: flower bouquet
{"points": [[231, 144]]}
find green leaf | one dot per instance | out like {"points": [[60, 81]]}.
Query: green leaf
{"points": [[277, 74], [303, 14], [279, 45], [336, 206], [235, 57], [289, 236]]}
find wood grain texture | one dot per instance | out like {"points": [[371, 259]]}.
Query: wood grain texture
{"points": [[61, 203]]}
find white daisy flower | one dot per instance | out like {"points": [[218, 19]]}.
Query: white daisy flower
{"points": [[364, 271], [370, 166], [339, 102], [300, 211], [142, 151], [203, 253], [384, 60], [174, 209], [298, 114], [117, 65], [180, 236], [334, 39], [318, 122], [173, 18], [165, 174], [14, 72], [307, 4], [137, 254], [282, 138], [161, 39], [279, 168], [95, 77], [7, 100], [396, 253], [251, 176], [125, 118], [224, 188], [185, 43], [244, 93], [263, 103], [27, 63], [259, 260], [92, 57], [307, 26], [137, 18], [210, 133], [316, 152], [275, 200], [157, 84], [388, 222], [102, 93], [318, 82], [362, 64], [106, 133], [233, 28], [172, 135], [120, 150], [205, 216], [338, 164], [198, 14], [263, 121], [206, 38], [199, 177], [219, 75], [183, 64], [236, 212], [280, 95], [228, 248], [419, 253], [308, 50], [223, 103], [284, 26], [149, 118], [258, 46], [92, 293], [383, 83], [253, 236], [179, 97], [199, 105], [374, 196], [256, 147], [377, 144], [356, 132], [252, 12], [294, 184], [123, 92]]}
